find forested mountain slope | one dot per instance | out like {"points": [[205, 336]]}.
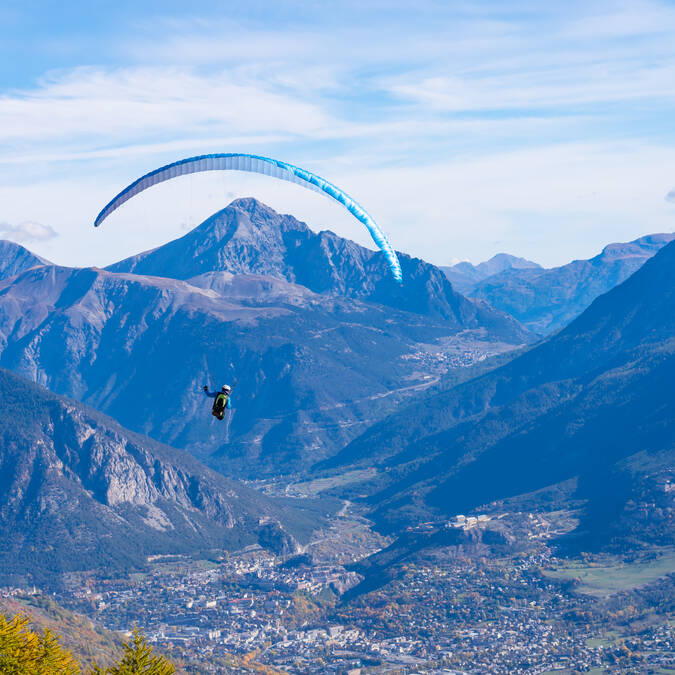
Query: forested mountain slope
{"points": [[78, 491], [591, 405]]}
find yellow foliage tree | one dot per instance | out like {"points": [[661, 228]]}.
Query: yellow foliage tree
{"points": [[25, 652]]}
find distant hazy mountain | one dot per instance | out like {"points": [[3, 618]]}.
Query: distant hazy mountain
{"points": [[14, 258], [248, 237], [591, 410], [77, 491], [545, 300], [464, 276]]}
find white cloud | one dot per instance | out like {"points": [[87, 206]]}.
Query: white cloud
{"points": [[90, 107], [670, 197], [252, 85], [97, 114], [616, 52], [27, 231], [636, 18], [550, 204], [561, 55], [559, 88], [131, 150]]}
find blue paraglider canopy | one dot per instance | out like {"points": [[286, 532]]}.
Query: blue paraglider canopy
{"points": [[268, 167]]}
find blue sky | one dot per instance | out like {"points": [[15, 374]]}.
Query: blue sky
{"points": [[465, 128]]}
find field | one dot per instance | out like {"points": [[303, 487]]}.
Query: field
{"points": [[314, 487], [609, 579]]}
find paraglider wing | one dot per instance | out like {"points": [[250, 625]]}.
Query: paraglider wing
{"points": [[268, 167]]}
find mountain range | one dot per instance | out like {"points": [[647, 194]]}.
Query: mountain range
{"points": [[79, 492], [335, 367], [314, 369], [587, 416], [545, 300], [248, 237], [464, 276]]}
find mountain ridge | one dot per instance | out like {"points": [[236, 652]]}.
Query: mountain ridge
{"points": [[233, 239], [109, 339], [15, 259], [464, 276], [305, 359]]}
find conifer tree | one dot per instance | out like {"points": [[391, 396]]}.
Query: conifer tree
{"points": [[139, 659], [25, 652]]}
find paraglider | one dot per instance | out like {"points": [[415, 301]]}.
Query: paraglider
{"points": [[268, 167], [221, 400]]}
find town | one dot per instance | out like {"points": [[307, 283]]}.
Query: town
{"points": [[448, 609]]}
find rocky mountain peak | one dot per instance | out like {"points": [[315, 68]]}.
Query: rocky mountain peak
{"points": [[247, 218], [505, 261], [248, 237], [464, 276]]}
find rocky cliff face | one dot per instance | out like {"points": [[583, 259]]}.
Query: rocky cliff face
{"points": [[79, 491]]}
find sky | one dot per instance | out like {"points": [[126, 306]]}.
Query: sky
{"points": [[464, 128]]}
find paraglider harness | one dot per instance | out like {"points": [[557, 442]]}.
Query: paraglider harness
{"points": [[219, 405]]}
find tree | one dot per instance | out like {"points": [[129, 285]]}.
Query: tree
{"points": [[138, 659], [25, 652]]}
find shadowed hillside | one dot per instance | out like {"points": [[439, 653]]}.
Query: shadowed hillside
{"points": [[593, 405]]}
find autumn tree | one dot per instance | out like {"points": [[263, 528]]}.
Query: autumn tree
{"points": [[26, 652]]}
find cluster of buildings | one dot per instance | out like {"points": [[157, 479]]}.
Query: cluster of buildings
{"points": [[224, 607], [437, 360], [446, 609], [444, 613]]}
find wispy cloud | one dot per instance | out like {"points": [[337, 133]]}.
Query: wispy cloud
{"points": [[670, 197], [27, 231], [558, 90], [216, 78], [569, 59], [617, 20], [89, 106], [96, 114]]}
